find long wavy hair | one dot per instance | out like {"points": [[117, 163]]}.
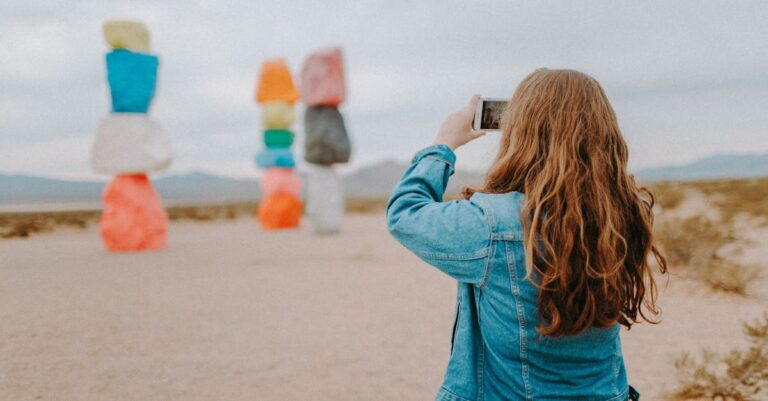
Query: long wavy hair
{"points": [[588, 226]]}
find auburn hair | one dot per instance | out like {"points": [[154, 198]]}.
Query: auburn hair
{"points": [[588, 226]]}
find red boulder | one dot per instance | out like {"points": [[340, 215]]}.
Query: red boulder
{"points": [[133, 218]]}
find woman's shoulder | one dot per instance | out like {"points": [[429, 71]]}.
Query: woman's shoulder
{"points": [[503, 210]]}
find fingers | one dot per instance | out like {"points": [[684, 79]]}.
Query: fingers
{"points": [[472, 106]]}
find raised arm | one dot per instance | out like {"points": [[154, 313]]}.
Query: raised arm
{"points": [[452, 236]]}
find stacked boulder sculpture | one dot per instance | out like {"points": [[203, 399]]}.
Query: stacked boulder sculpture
{"points": [[326, 142], [129, 144], [281, 206]]}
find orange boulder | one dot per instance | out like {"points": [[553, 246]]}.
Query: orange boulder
{"points": [[279, 210], [133, 218], [275, 83]]}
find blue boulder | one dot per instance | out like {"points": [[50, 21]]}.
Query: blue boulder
{"points": [[132, 78], [275, 157]]}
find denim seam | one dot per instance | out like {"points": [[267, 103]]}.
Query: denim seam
{"points": [[480, 363], [516, 236], [515, 288], [479, 254], [616, 369], [444, 393], [434, 150], [491, 221], [438, 158], [621, 397]]}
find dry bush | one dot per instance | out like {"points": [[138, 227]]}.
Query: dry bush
{"points": [[23, 228], [668, 195], [727, 276], [739, 375], [23, 225], [733, 197], [366, 206], [210, 212], [690, 240], [693, 243]]}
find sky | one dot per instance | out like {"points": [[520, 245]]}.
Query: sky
{"points": [[687, 79]]}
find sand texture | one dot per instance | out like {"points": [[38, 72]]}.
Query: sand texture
{"points": [[229, 312]]}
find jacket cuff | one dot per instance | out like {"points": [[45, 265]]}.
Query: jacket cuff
{"points": [[439, 152]]}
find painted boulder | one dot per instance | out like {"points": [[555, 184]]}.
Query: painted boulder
{"points": [[278, 179], [275, 83], [322, 78], [130, 143], [279, 211], [132, 79], [325, 199], [326, 140], [126, 34], [278, 138], [278, 115], [275, 157], [133, 218]]}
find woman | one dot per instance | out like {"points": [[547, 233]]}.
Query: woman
{"points": [[551, 254]]}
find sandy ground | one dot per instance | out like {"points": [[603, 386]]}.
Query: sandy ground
{"points": [[228, 312]]}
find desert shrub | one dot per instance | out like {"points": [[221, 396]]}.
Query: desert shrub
{"points": [[667, 194], [734, 197], [77, 219], [692, 244], [23, 228], [365, 205], [690, 240], [739, 375], [727, 276], [210, 212]]}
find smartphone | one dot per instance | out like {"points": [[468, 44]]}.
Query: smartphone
{"points": [[488, 114]]}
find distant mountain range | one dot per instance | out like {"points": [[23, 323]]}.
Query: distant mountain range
{"points": [[713, 167], [371, 182]]}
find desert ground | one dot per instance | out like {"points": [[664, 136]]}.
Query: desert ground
{"points": [[229, 312]]}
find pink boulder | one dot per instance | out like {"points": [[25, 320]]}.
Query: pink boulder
{"points": [[322, 78], [133, 218], [278, 179]]}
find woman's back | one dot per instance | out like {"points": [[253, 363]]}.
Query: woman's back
{"points": [[545, 278], [587, 366], [496, 353]]}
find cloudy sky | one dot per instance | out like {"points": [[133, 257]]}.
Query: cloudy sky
{"points": [[687, 78]]}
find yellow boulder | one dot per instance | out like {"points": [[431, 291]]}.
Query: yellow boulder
{"points": [[126, 34], [277, 115]]}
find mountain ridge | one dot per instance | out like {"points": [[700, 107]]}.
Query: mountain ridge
{"points": [[374, 181]]}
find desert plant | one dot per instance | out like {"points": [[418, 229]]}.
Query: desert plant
{"points": [[690, 240], [365, 205], [692, 244], [739, 375], [23, 228], [667, 194], [735, 197], [727, 276]]}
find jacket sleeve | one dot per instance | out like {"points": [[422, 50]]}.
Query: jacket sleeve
{"points": [[453, 236]]}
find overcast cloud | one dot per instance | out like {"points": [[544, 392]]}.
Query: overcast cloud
{"points": [[687, 78]]}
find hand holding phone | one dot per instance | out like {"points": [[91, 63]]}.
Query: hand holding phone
{"points": [[488, 114], [457, 127]]}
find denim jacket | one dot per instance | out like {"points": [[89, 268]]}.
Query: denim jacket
{"points": [[496, 353]]}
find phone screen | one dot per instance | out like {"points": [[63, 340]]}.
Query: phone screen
{"points": [[491, 111]]}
